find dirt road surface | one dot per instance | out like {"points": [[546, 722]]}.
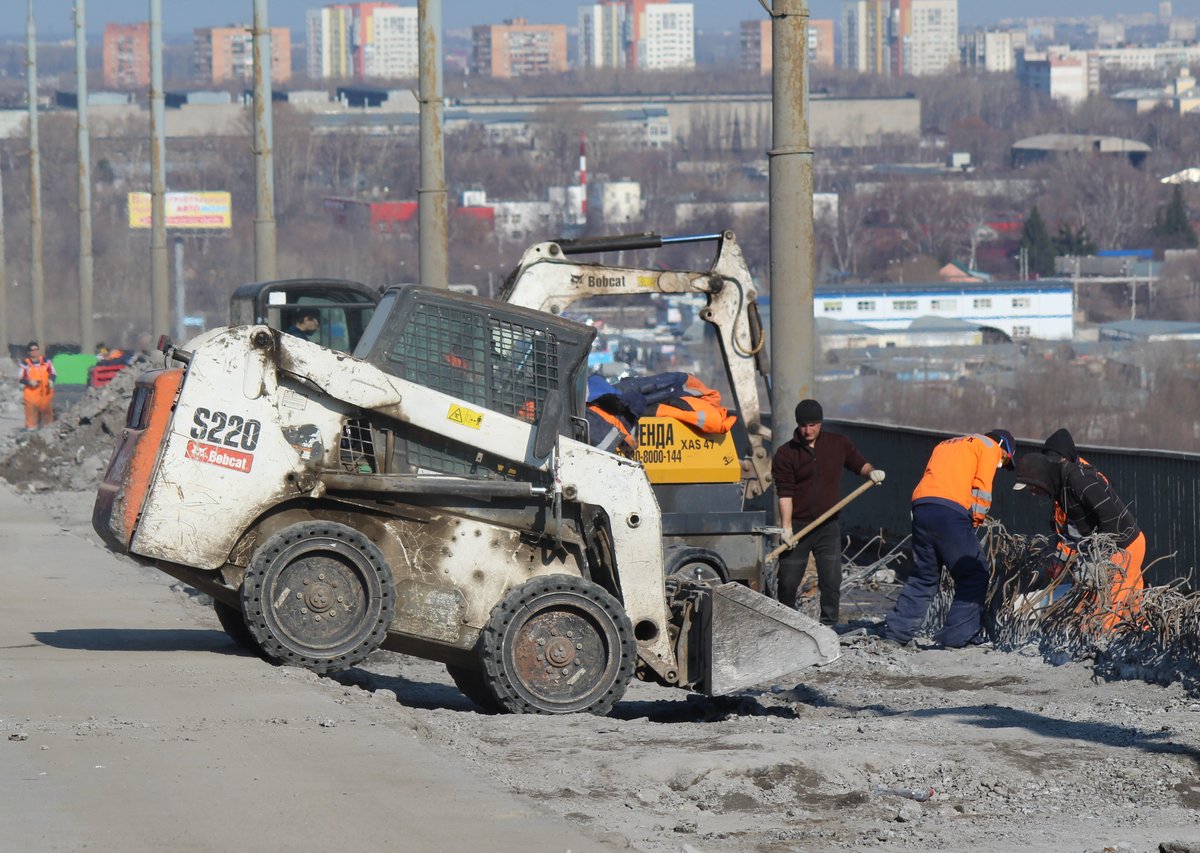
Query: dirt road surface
{"points": [[128, 720]]}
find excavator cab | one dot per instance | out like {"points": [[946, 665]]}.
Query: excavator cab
{"points": [[343, 308]]}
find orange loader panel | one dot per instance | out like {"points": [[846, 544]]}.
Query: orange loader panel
{"points": [[120, 497]]}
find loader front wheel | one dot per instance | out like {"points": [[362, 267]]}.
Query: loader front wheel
{"points": [[558, 645], [472, 684], [318, 595]]}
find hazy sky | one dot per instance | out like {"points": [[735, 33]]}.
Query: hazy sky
{"points": [[54, 16]]}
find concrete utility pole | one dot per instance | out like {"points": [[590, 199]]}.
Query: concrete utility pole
{"points": [[160, 294], [87, 332], [3, 274], [791, 212], [264, 168], [431, 194], [37, 278]]}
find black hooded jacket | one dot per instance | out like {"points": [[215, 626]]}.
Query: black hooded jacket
{"points": [[1086, 498], [1061, 443]]}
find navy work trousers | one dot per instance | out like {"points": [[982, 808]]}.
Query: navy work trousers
{"points": [[941, 536], [825, 544]]}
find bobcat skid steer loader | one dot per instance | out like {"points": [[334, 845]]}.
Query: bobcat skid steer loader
{"points": [[433, 494]]}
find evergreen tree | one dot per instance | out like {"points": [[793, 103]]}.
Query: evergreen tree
{"points": [[1172, 225], [1076, 243], [1035, 240]]}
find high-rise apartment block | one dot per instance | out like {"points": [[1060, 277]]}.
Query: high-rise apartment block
{"points": [[1068, 76], [362, 41], [602, 35], [127, 56], [900, 38], [993, 51], [756, 45], [865, 36], [518, 48], [668, 40], [223, 54], [932, 45], [637, 34]]}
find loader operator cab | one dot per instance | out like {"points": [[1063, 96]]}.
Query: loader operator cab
{"points": [[342, 309], [522, 363]]}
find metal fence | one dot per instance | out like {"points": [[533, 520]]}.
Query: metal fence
{"points": [[1161, 488]]}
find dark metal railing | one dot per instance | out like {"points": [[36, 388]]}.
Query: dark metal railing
{"points": [[1162, 488]]}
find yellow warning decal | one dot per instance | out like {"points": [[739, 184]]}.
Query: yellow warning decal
{"points": [[466, 417], [650, 282]]}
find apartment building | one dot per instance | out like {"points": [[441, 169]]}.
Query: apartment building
{"points": [[602, 35], [932, 41], [756, 45], [668, 37], [900, 38], [517, 48], [865, 28], [127, 56], [993, 51], [223, 54], [362, 41]]}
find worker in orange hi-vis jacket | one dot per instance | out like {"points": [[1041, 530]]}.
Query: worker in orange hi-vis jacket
{"points": [[952, 499], [37, 378]]}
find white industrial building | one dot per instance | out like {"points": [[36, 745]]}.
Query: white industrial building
{"points": [[1021, 309]]}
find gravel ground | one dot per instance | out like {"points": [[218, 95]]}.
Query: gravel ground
{"points": [[1020, 754]]}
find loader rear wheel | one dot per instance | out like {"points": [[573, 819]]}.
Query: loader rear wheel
{"points": [[558, 645], [318, 595], [472, 684]]}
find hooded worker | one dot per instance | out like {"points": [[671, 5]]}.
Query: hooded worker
{"points": [[1085, 503], [952, 499]]}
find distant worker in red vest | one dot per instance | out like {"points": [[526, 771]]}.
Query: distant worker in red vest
{"points": [[37, 378]]}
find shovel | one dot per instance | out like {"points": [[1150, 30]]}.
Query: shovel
{"points": [[790, 542]]}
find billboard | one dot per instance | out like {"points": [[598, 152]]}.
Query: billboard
{"points": [[200, 210]]}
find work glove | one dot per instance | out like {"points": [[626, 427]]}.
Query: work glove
{"points": [[876, 476]]}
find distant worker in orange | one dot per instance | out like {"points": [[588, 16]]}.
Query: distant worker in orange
{"points": [[952, 499], [37, 378]]}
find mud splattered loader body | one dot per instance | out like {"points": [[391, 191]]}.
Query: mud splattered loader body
{"points": [[433, 494]]}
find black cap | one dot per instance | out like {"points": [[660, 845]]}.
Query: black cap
{"points": [[1007, 443], [809, 412]]}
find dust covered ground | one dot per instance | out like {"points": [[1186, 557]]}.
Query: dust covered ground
{"points": [[1021, 754]]}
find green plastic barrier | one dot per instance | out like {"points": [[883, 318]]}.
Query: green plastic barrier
{"points": [[72, 369]]}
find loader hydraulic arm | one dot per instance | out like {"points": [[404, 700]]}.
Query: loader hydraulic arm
{"points": [[547, 279]]}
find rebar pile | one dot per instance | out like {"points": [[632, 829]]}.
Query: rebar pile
{"points": [[1154, 637]]}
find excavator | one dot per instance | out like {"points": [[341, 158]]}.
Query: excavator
{"points": [[435, 493], [710, 487]]}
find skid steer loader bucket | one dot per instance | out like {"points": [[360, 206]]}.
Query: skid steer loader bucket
{"points": [[740, 638]]}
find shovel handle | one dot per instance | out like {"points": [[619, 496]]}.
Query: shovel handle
{"points": [[790, 542]]}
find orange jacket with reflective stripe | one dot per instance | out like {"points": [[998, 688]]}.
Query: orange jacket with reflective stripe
{"points": [[41, 372], [961, 470]]}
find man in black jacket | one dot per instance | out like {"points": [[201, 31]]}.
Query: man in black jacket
{"points": [[808, 475]]}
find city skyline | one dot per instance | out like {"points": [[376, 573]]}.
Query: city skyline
{"points": [[54, 17]]}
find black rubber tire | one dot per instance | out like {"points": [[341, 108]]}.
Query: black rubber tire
{"points": [[301, 579], [549, 626], [472, 684], [695, 564], [232, 621]]}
